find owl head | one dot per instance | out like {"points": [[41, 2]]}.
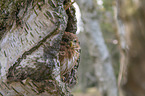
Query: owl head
{"points": [[69, 40]]}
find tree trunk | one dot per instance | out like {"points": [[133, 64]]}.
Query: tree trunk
{"points": [[97, 49], [30, 33], [132, 14], [123, 48]]}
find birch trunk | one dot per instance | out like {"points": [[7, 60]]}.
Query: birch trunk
{"points": [[30, 32]]}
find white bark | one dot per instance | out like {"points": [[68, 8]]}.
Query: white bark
{"points": [[97, 48]]}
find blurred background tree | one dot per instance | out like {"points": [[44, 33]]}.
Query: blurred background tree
{"points": [[132, 15], [122, 24], [96, 68]]}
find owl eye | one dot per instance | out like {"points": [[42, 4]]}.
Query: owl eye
{"points": [[65, 40], [75, 41]]}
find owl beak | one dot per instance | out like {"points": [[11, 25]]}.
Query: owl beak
{"points": [[72, 43]]}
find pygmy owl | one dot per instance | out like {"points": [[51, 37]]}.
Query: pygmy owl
{"points": [[69, 58]]}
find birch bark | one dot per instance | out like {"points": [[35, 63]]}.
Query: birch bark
{"points": [[29, 46]]}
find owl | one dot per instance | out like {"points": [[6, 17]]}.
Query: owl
{"points": [[69, 55]]}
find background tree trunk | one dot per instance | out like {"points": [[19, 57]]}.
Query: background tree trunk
{"points": [[97, 49], [122, 46], [133, 16], [30, 32]]}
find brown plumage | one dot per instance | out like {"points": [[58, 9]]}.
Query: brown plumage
{"points": [[69, 58]]}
